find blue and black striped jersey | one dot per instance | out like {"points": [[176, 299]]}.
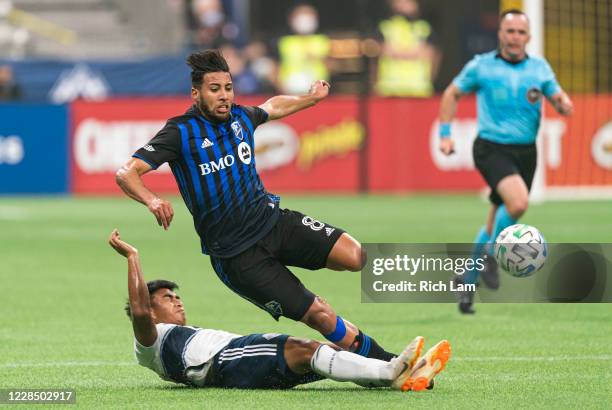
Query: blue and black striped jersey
{"points": [[214, 166]]}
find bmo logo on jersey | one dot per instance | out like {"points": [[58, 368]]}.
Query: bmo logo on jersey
{"points": [[214, 166], [244, 153]]}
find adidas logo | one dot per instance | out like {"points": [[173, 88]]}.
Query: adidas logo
{"points": [[149, 148], [329, 231], [207, 143]]}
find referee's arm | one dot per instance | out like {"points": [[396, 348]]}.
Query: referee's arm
{"points": [[562, 103], [448, 107]]}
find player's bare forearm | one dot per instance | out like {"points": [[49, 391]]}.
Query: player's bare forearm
{"points": [[137, 288], [129, 180], [140, 305], [138, 293], [131, 183], [283, 105]]}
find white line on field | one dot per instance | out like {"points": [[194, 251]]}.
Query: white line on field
{"points": [[467, 359], [530, 358], [65, 364]]}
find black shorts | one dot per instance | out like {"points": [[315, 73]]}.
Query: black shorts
{"points": [[255, 361], [260, 273], [497, 161]]}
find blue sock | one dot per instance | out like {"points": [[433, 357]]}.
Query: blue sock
{"points": [[480, 243], [338, 333], [502, 221], [365, 346]]}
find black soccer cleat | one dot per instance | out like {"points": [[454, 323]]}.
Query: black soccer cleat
{"points": [[466, 304], [466, 297], [490, 273]]}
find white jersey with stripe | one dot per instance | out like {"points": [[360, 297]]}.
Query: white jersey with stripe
{"points": [[182, 353]]}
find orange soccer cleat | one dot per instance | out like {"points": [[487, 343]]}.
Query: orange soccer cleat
{"points": [[426, 368]]}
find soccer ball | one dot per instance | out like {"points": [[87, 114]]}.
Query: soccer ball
{"points": [[521, 250]]}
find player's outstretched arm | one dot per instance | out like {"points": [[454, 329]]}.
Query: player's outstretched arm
{"points": [[562, 103], [448, 107], [128, 177], [284, 105], [140, 305]]}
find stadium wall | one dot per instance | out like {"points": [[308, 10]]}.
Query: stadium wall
{"points": [[80, 146], [34, 149]]}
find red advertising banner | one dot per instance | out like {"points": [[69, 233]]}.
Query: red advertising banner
{"points": [[403, 147], [578, 150], [105, 135], [318, 149]]}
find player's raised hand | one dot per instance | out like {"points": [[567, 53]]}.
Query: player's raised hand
{"points": [[319, 89], [122, 248], [162, 210], [447, 146]]}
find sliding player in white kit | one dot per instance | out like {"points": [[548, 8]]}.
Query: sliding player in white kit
{"points": [[215, 358]]}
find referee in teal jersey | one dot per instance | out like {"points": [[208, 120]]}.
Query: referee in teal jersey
{"points": [[509, 85]]}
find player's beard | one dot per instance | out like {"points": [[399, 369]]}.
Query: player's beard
{"points": [[201, 104]]}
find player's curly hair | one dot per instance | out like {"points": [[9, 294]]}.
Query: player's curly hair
{"points": [[153, 286], [202, 62]]}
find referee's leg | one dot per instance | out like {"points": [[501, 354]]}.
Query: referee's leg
{"points": [[515, 194]]}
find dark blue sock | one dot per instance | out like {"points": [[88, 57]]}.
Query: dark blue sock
{"points": [[365, 346]]}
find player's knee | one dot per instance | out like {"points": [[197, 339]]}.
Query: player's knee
{"points": [[357, 258], [298, 354], [304, 349]]}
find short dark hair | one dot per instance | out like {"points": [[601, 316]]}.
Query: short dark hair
{"points": [[153, 286], [511, 11], [202, 62]]}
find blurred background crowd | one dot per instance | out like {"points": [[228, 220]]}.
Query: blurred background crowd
{"points": [[394, 48], [404, 48], [99, 69]]}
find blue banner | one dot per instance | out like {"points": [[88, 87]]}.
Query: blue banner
{"points": [[34, 149], [60, 81]]}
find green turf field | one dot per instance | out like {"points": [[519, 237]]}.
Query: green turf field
{"points": [[62, 321]]}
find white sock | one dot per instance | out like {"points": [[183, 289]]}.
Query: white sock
{"points": [[345, 366]]}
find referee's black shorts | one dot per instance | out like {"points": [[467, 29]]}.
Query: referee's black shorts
{"points": [[260, 273], [497, 161]]}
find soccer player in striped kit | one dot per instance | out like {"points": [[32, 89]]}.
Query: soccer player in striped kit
{"points": [[249, 238], [509, 85], [215, 358]]}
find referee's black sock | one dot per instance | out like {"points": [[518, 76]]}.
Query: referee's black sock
{"points": [[365, 346]]}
